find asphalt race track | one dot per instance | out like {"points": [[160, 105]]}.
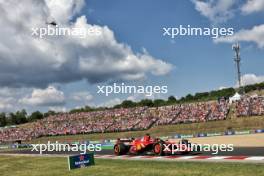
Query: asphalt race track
{"points": [[241, 151], [238, 151]]}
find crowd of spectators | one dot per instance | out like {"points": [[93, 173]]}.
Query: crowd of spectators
{"points": [[250, 106], [124, 119]]}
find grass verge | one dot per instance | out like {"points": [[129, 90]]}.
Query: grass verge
{"points": [[50, 166]]}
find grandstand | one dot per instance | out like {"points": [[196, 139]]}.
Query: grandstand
{"points": [[132, 119]]}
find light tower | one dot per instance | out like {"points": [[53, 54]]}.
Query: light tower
{"points": [[237, 60]]}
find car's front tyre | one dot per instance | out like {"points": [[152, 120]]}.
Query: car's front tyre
{"points": [[120, 149], [158, 149]]}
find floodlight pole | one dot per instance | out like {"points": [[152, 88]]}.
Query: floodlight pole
{"points": [[237, 60]]}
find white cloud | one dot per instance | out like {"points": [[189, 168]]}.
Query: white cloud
{"points": [[252, 6], [64, 10], [6, 104], [256, 35], [29, 61], [10, 92], [58, 108], [44, 97], [133, 97], [83, 96], [216, 11], [111, 103], [222, 87], [9, 97], [251, 79], [138, 97]]}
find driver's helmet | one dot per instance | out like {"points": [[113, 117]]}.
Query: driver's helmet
{"points": [[146, 137]]}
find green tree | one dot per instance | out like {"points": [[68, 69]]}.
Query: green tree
{"points": [[12, 120], [3, 121], [36, 116], [189, 97], [146, 102], [172, 100], [46, 114], [21, 117], [128, 104], [201, 96], [159, 102]]}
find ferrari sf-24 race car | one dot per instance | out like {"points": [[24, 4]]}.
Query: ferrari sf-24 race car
{"points": [[148, 145]]}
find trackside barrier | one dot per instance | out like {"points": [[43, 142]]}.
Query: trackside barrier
{"points": [[165, 137], [187, 136], [214, 134], [259, 131], [178, 136], [94, 142], [112, 141], [108, 143], [202, 135], [4, 147], [229, 133], [242, 132]]}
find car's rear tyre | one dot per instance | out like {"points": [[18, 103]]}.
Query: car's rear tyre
{"points": [[198, 149], [120, 149], [158, 149], [186, 144]]}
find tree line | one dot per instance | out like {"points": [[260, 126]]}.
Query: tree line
{"points": [[197, 97], [202, 96], [20, 117]]}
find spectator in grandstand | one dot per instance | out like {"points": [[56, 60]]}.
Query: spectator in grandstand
{"points": [[126, 119]]}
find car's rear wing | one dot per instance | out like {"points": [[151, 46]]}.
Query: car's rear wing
{"points": [[124, 140]]}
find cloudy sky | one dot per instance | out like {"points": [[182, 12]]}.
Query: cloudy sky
{"points": [[63, 72]]}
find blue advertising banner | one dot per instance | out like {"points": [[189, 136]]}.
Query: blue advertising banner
{"points": [[80, 161], [202, 135], [229, 133], [259, 131]]}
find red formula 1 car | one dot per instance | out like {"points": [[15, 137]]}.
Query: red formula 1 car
{"points": [[148, 145]]}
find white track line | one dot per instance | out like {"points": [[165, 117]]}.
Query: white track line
{"points": [[218, 157], [187, 158], [258, 158]]}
